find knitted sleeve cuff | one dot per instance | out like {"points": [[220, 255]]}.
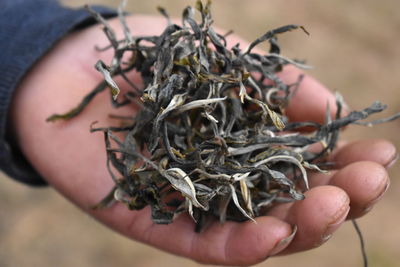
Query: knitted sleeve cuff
{"points": [[28, 29]]}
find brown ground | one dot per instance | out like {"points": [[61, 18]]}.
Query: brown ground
{"points": [[354, 46]]}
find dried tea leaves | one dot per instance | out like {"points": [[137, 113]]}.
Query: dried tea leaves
{"points": [[212, 122]]}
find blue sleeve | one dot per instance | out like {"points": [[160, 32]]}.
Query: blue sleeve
{"points": [[28, 29]]}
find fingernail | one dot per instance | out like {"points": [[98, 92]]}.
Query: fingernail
{"points": [[323, 240], [283, 243], [368, 209], [376, 200], [392, 161], [333, 226]]}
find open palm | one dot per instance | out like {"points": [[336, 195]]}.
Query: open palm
{"points": [[73, 160]]}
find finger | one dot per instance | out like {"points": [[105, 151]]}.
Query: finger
{"points": [[223, 244], [244, 243], [311, 99], [319, 178], [377, 150], [365, 182], [319, 146], [317, 216], [316, 178]]}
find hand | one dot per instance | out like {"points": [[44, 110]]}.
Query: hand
{"points": [[72, 160]]}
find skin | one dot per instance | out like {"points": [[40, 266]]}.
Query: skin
{"points": [[72, 160]]}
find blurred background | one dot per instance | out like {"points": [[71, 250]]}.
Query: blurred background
{"points": [[354, 48]]}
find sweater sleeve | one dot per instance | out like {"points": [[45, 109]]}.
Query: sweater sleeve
{"points": [[28, 29]]}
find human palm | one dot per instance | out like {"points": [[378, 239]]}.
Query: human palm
{"points": [[72, 160]]}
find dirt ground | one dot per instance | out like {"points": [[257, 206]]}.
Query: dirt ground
{"points": [[354, 47]]}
